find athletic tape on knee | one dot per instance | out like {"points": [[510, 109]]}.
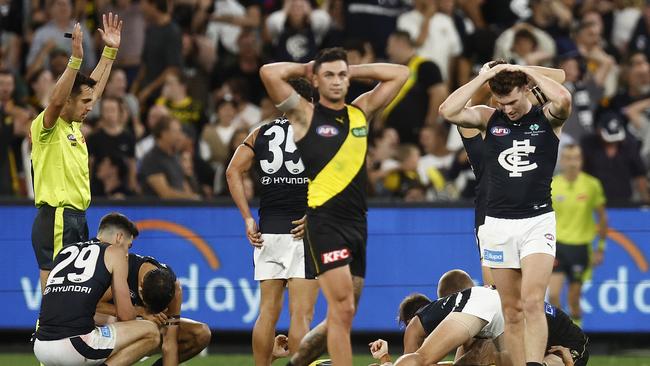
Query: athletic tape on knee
{"points": [[290, 103]]}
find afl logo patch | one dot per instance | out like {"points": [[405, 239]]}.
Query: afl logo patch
{"points": [[500, 131], [265, 181], [72, 137], [327, 131]]}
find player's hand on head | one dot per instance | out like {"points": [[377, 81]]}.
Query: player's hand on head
{"points": [[280, 346], [77, 41], [111, 34], [563, 352], [253, 234], [299, 231]]}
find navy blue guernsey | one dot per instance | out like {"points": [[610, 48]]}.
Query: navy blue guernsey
{"points": [[135, 262], [562, 331], [75, 285], [474, 147], [283, 196], [433, 314], [520, 158]]}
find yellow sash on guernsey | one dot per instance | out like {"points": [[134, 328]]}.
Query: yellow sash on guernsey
{"points": [[413, 66], [344, 165]]}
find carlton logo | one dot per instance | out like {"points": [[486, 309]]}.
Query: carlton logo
{"points": [[500, 131], [327, 131], [335, 255]]}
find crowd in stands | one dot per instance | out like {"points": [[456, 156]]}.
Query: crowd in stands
{"points": [[185, 89]]}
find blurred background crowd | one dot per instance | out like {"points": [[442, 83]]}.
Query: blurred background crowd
{"points": [[185, 90]]}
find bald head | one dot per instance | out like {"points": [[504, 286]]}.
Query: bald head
{"points": [[454, 281]]}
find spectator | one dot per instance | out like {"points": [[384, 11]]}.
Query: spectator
{"points": [[553, 17], [182, 106], [111, 176], [625, 18], [405, 178], [433, 33], [638, 114], [134, 24], [13, 123], [162, 53], [297, 30], [381, 159], [640, 39], [199, 58], [227, 19], [60, 12], [525, 51], [40, 84], [614, 159], [437, 160], [417, 102], [358, 52], [146, 143], [216, 137], [587, 89], [591, 43], [373, 21], [112, 139], [161, 174], [246, 66], [248, 113], [544, 45], [117, 87], [637, 82], [58, 62]]}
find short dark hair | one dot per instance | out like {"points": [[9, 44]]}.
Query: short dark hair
{"points": [[526, 34], [161, 5], [403, 35], [109, 98], [505, 81], [329, 55], [302, 87], [79, 81], [158, 289], [410, 306], [163, 125], [354, 44], [454, 281], [7, 72], [118, 221]]}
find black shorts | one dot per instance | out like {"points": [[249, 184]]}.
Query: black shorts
{"points": [[53, 229], [572, 260], [330, 244]]}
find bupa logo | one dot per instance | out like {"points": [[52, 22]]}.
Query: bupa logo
{"points": [[327, 131], [500, 131], [493, 256], [335, 255]]}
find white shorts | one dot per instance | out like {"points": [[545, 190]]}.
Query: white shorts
{"points": [[484, 303], [504, 242], [281, 257], [88, 349]]}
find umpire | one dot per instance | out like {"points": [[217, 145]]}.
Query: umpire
{"points": [[59, 152]]}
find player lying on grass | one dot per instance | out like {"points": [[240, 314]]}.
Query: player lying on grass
{"points": [[426, 343], [157, 296]]}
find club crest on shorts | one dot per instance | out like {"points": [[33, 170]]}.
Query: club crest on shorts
{"points": [[549, 236], [335, 255]]}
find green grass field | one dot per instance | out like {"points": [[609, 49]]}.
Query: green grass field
{"points": [[23, 359]]}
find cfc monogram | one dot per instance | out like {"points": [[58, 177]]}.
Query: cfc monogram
{"points": [[515, 158], [335, 255]]}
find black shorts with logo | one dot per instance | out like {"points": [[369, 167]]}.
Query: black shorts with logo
{"points": [[332, 243], [55, 228], [572, 260]]}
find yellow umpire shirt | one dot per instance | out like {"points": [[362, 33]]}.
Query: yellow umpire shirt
{"points": [[60, 163], [574, 204]]}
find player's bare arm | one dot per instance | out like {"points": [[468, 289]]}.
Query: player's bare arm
{"points": [[559, 107], [63, 87], [171, 330], [241, 162], [455, 108], [414, 335], [391, 77], [117, 263], [298, 110], [111, 35]]}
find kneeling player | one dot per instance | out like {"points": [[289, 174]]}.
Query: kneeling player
{"points": [[566, 343], [82, 272], [157, 296]]}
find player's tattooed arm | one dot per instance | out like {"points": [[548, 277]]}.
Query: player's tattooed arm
{"points": [[312, 346]]}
